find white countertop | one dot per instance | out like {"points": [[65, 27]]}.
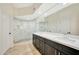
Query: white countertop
{"points": [[67, 40]]}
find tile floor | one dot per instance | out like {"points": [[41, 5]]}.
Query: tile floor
{"points": [[23, 48]]}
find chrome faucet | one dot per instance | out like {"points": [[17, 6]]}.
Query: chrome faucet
{"points": [[68, 32]]}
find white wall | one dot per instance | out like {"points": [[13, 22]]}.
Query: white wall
{"points": [[23, 29], [65, 20], [5, 41], [41, 24], [1, 34]]}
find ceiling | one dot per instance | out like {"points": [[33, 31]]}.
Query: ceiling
{"points": [[22, 5], [19, 9], [30, 11], [44, 10]]}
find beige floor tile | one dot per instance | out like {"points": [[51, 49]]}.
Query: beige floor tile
{"points": [[23, 48]]}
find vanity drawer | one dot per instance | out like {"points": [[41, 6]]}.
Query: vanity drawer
{"points": [[69, 50], [41, 38], [54, 44]]}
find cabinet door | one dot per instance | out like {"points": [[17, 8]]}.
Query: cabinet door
{"points": [[34, 40], [5, 40], [49, 50], [41, 47], [37, 42]]}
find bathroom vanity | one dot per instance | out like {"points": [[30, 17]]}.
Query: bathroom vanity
{"points": [[55, 44]]}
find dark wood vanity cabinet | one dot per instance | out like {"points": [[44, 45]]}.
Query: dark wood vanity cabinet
{"points": [[42, 46], [49, 50], [48, 47]]}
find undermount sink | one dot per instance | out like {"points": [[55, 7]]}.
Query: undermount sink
{"points": [[71, 39], [68, 39]]}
